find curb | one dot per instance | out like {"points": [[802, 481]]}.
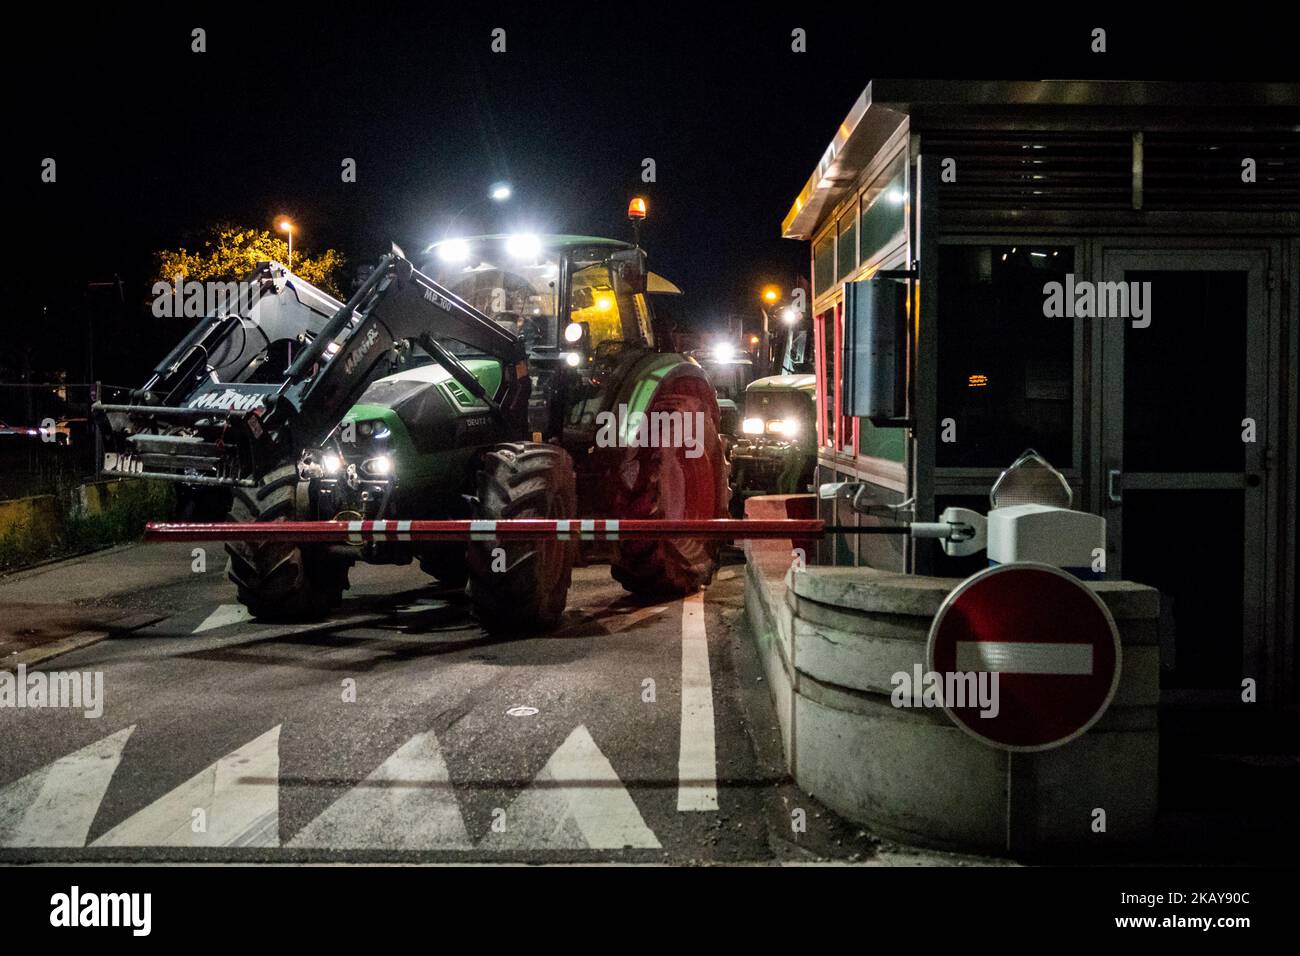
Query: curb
{"points": [[39, 655], [49, 564]]}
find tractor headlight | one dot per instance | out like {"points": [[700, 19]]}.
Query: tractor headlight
{"points": [[573, 333], [572, 359], [787, 427], [752, 426], [331, 463], [380, 467]]}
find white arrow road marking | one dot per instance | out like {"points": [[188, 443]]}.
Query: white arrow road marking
{"points": [[55, 805], [1024, 657], [575, 802], [407, 803], [239, 795], [697, 761], [224, 616]]}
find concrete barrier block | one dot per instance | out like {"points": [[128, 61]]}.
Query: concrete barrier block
{"points": [[832, 638], [866, 589], [907, 777], [1055, 794]]}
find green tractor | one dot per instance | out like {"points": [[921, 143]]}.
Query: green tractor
{"points": [[777, 451], [507, 377]]}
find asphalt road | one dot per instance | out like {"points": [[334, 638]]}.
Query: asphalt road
{"points": [[398, 730]]}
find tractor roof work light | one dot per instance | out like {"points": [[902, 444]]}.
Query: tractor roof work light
{"points": [[453, 250]]}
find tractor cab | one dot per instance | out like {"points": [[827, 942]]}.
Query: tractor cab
{"points": [[561, 294]]}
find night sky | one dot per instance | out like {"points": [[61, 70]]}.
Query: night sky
{"points": [[155, 143]]}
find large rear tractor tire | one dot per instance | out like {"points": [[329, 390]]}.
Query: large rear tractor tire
{"points": [[279, 581], [519, 586], [663, 483]]}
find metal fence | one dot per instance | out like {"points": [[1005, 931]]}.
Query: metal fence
{"points": [[48, 439]]}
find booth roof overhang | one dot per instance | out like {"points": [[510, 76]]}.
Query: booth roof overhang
{"points": [[1048, 104]]}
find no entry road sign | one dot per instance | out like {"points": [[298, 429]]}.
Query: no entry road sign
{"points": [[1046, 637]]}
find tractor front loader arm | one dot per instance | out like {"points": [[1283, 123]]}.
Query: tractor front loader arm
{"points": [[396, 304], [217, 412]]}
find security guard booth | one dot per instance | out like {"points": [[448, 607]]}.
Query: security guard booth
{"points": [[1104, 272]]}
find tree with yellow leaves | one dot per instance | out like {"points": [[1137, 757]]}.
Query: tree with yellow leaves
{"points": [[231, 252]]}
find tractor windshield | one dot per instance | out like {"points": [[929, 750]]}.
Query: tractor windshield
{"points": [[601, 300], [513, 283]]}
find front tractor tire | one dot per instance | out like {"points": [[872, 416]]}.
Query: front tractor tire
{"points": [[519, 586], [663, 483], [280, 581]]}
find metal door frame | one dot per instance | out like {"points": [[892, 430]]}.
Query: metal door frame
{"points": [[1261, 655]]}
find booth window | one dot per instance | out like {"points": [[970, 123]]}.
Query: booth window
{"points": [[883, 211], [847, 247], [824, 264], [1006, 371]]}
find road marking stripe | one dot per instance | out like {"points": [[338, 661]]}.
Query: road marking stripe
{"points": [[407, 803], [239, 795], [576, 801], [223, 616], [697, 761], [1024, 657], [55, 805]]}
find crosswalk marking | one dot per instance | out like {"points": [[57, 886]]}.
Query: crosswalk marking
{"points": [[576, 801], [56, 805], [223, 616], [239, 796], [407, 803], [697, 762]]}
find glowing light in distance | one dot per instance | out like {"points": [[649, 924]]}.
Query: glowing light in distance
{"points": [[453, 250], [524, 246]]}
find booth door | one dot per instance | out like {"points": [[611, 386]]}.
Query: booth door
{"points": [[1183, 484]]}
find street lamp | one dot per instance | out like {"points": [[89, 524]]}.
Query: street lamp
{"points": [[771, 295], [287, 226]]}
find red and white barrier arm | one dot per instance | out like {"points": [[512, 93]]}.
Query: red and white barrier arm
{"points": [[586, 529]]}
